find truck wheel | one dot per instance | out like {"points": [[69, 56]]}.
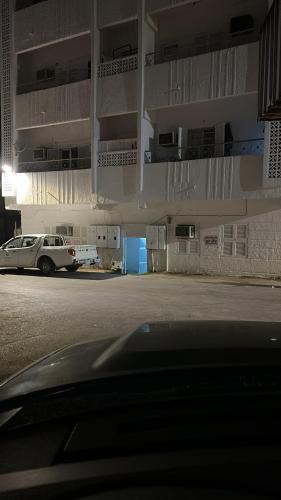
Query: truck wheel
{"points": [[72, 269], [46, 266]]}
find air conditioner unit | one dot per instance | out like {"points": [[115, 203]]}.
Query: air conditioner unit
{"points": [[168, 139], [40, 154], [185, 231]]}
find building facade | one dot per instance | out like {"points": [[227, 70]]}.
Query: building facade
{"points": [[139, 119]]}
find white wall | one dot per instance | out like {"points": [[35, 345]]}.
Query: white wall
{"points": [[50, 21], [224, 178], [117, 94], [229, 72], [55, 105], [263, 246]]}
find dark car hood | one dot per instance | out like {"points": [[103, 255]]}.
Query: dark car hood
{"points": [[154, 346]]}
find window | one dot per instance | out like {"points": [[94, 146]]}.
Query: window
{"points": [[201, 143], [53, 241], [186, 247], [14, 243], [65, 230], [234, 240], [28, 241]]}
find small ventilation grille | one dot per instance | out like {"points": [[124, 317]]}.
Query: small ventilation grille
{"points": [[118, 158], [227, 248], [228, 231], [117, 66], [274, 151]]}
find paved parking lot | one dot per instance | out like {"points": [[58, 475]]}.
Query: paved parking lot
{"points": [[39, 314]]}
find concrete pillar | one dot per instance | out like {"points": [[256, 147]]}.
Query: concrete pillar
{"points": [[95, 127], [146, 41]]}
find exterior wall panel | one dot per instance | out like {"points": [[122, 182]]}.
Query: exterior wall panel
{"points": [[208, 76], [117, 94], [55, 105]]}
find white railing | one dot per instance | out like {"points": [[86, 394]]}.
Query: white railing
{"points": [[117, 66], [118, 158]]}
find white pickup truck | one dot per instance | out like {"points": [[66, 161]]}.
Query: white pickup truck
{"points": [[47, 252]]}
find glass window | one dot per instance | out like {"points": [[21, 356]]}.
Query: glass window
{"points": [[14, 243], [53, 241], [28, 241]]}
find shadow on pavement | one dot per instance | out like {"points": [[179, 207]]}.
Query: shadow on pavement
{"points": [[79, 275]]}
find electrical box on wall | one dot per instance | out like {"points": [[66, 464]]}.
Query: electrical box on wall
{"points": [[156, 237], [104, 236]]}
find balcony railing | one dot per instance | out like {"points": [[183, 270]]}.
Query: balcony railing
{"points": [[55, 159], [56, 75], [202, 44], [118, 158], [117, 66], [239, 148]]}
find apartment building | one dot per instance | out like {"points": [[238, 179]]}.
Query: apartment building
{"points": [[133, 124]]}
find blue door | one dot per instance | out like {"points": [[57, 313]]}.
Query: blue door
{"points": [[136, 256]]}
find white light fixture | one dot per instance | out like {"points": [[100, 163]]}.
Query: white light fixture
{"points": [[6, 168]]}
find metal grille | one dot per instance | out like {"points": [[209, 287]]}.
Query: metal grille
{"points": [[228, 231], [274, 151], [118, 158], [6, 55], [117, 66]]}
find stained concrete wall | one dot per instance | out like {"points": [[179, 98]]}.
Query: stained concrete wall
{"points": [[55, 105], [224, 73], [117, 94]]}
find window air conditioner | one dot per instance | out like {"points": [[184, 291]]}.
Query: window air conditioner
{"points": [[169, 139], [40, 154], [185, 231]]}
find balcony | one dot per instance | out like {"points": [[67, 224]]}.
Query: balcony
{"points": [[66, 103], [118, 158], [49, 159], [117, 66], [194, 46], [250, 147], [224, 73], [56, 75]]}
